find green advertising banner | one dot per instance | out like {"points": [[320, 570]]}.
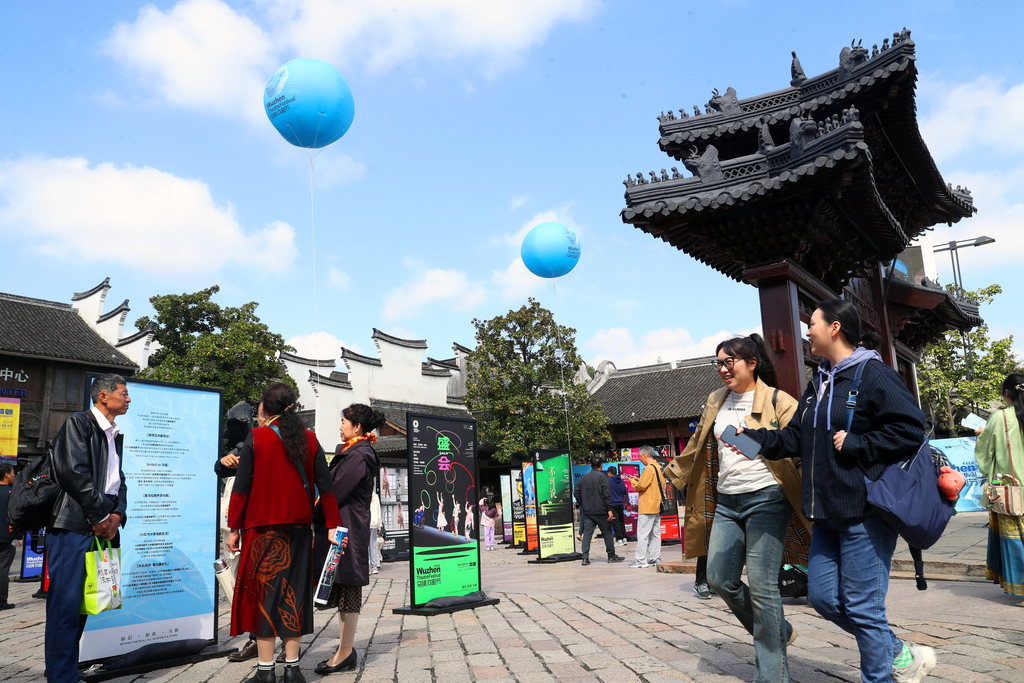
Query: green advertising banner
{"points": [[553, 475], [445, 554]]}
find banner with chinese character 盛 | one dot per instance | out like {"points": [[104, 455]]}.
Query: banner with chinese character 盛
{"points": [[443, 485], [555, 532], [10, 413]]}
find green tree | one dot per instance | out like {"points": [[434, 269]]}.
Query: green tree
{"points": [[521, 387], [952, 381], [207, 345]]}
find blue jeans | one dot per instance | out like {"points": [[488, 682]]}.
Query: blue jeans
{"points": [[750, 528], [848, 577], [65, 557]]}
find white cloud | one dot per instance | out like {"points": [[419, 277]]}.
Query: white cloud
{"points": [[435, 286], [518, 201], [144, 218], [200, 55], [516, 282], [964, 116], [618, 345], [320, 345], [331, 167], [338, 278], [207, 56]]}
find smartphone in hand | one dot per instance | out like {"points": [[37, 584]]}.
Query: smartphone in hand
{"points": [[741, 442]]}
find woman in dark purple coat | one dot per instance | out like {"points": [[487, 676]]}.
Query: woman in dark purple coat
{"points": [[354, 471]]}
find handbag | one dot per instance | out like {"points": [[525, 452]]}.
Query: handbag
{"points": [[1006, 498], [666, 508], [102, 579], [907, 495]]}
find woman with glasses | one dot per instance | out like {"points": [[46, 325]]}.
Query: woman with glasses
{"points": [[852, 547], [741, 511]]}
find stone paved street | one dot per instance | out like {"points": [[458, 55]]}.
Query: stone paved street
{"points": [[603, 623]]}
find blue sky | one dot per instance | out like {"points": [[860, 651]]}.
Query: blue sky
{"points": [[135, 146]]}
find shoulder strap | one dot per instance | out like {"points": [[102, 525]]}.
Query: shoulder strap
{"points": [[302, 470], [851, 400], [657, 481], [775, 399], [1009, 450]]}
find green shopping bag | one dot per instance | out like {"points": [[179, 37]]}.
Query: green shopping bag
{"points": [[102, 579]]}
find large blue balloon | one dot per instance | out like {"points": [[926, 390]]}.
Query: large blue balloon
{"points": [[309, 103], [550, 249]]}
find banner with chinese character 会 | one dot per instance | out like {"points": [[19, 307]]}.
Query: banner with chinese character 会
{"points": [[555, 531], [445, 553]]}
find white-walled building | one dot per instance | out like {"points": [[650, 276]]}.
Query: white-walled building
{"points": [[397, 381]]}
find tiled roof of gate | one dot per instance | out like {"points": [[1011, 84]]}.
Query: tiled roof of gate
{"points": [[659, 394]]}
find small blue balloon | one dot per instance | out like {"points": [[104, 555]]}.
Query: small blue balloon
{"points": [[309, 103], [550, 250]]}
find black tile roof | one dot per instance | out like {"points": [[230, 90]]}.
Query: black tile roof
{"points": [[395, 443], [661, 394], [307, 361], [49, 329], [395, 411], [409, 343]]}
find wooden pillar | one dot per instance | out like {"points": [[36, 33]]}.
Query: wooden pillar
{"points": [[780, 321], [884, 322], [788, 294]]}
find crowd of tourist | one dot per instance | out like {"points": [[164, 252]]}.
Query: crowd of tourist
{"points": [[801, 499]]}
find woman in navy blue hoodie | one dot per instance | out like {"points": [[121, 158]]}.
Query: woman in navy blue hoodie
{"points": [[851, 547]]}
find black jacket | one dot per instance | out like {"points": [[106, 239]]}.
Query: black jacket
{"points": [[593, 494], [353, 473], [5, 530], [78, 456], [887, 426]]}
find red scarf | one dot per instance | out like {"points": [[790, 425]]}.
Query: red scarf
{"points": [[371, 437]]}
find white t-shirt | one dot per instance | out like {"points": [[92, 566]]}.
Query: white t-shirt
{"points": [[738, 473]]}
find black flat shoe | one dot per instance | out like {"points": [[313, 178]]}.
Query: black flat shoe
{"points": [[349, 663]]}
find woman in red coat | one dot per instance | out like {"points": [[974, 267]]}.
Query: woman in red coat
{"points": [[353, 471], [273, 501]]}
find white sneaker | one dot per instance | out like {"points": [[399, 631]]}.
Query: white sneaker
{"points": [[639, 565], [376, 570], [924, 662]]}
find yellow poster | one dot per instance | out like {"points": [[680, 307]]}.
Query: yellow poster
{"points": [[10, 409]]}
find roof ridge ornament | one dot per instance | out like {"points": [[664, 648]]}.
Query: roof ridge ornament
{"points": [[728, 103], [797, 72], [706, 166]]}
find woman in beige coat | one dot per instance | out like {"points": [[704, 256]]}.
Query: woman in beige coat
{"points": [[751, 501]]}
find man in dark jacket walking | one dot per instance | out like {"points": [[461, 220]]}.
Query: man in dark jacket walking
{"points": [[86, 460], [619, 492], [595, 500]]}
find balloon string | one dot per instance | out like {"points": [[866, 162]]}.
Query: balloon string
{"points": [[561, 369], [316, 322]]}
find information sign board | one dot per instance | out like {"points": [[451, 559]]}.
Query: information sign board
{"points": [[530, 507], [506, 507], [553, 477], [518, 510], [445, 559], [171, 440]]}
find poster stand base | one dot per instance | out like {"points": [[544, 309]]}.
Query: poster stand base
{"points": [[209, 652], [555, 559], [433, 611]]}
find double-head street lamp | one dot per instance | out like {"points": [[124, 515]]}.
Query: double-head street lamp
{"points": [[953, 247]]}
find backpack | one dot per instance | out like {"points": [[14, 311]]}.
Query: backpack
{"points": [[33, 496], [793, 581]]}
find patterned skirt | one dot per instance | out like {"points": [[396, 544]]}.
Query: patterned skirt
{"points": [[1005, 564], [274, 588], [346, 598]]}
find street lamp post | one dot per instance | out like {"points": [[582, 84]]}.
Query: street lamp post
{"points": [[954, 247]]}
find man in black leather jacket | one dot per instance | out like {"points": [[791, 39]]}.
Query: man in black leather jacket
{"points": [[86, 460]]}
